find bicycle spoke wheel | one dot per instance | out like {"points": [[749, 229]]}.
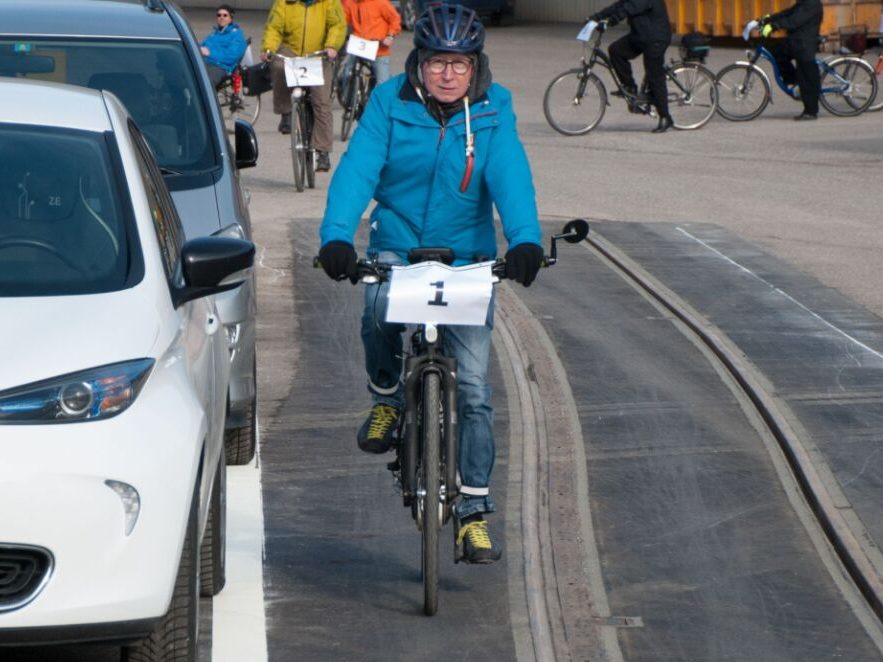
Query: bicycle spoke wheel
{"points": [[298, 147], [692, 96], [877, 65], [349, 101], [575, 102], [309, 152], [848, 86], [249, 108], [429, 484], [742, 92]]}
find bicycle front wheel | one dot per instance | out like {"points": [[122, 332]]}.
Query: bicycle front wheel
{"points": [[742, 92], [298, 146], [429, 489], [849, 86], [877, 66], [692, 95], [309, 152], [349, 102], [574, 102]]}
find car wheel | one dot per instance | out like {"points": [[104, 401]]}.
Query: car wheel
{"points": [[176, 636], [213, 552], [409, 14], [240, 443]]}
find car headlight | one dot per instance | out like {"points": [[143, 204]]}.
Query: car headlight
{"points": [[89, 395]]}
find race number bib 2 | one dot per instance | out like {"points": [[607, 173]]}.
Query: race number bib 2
{"points": [[364, 48], [434, 292], [304, 72]]}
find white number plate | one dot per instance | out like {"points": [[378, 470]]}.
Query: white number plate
{"points": [[304, 72], [364, 48], [434, 292], [587, 31]]}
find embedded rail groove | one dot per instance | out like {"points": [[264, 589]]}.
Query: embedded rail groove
{"points": [[855, 554]]}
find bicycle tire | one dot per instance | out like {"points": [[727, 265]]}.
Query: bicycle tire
{"points": [[244, 107], [349, 102], [430, 477], [309, 152], [693, 106], [574, 102], [298, 146], [848, 86], [877, 66], [743, 92]]}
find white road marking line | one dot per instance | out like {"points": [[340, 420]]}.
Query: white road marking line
{"points": [[239, 630], [784, 294]]}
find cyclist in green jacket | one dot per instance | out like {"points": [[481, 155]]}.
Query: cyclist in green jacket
{"points": [[298, 27]]}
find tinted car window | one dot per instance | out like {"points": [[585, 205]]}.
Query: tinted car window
{"points": [[165, 219], [153, 79], [65, 226]]}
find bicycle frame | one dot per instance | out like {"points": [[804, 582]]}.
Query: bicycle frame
{"points": [[762, 52], [593, 54]]}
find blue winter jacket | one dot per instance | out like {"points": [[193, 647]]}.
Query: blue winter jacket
{"points": [[401, 157], [226, 47]]}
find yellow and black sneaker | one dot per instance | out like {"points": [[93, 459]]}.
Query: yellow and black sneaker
{"points": [[474, 543], [377, 433]]}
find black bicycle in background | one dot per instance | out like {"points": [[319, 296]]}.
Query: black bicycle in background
{"points": [[575, 101], [425, 466], [354, 93]]}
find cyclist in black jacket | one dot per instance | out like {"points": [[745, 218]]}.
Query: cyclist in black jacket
{"points": [[650, 35], [802, 22]]}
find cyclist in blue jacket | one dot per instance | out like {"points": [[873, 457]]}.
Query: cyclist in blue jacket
{"points": [[436, 148], [224, 47]]}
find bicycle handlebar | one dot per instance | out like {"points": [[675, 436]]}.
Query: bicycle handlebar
{"points": [[372, 271]]}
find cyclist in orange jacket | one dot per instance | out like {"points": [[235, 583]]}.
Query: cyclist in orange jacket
{"points": [[376, 20]]}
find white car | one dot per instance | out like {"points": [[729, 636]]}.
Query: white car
{"points": [[113, 381]]}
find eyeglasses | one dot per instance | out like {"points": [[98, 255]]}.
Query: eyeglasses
{"points": [[459, 67]]}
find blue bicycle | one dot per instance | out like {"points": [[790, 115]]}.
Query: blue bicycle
{"points": [[848, 84]]}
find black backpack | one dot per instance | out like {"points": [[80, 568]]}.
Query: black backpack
{"points": [[695, 46]]}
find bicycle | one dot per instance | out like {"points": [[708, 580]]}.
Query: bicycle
{"points": [[848, 85], [353, 96], [234, 103], [306, 76], [575, 101], [425, 467]]}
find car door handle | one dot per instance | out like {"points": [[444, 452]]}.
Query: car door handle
{"points": [[212, 324]]}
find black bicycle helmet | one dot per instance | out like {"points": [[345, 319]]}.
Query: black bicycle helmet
{"points": [[449, 29]]}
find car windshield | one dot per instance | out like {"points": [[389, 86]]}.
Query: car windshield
{"points": [[153, 79], [64, 226]]}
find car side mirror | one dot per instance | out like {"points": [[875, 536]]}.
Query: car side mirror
{"points": [[210, 265], [246, 143]]}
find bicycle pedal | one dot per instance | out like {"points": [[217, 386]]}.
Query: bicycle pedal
{"points": [[394, 465]]}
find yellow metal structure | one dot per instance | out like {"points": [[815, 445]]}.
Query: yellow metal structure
{"points": [[726, 18]]}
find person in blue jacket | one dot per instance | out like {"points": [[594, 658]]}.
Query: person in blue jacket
{"points": [[436, 148], [224, 47]]}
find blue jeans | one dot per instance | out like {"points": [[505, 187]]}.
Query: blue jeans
{"points": [[470, 346]]}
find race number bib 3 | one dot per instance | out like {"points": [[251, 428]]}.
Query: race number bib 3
{"points": [[434, 292], [304, 72], [364, 48]]}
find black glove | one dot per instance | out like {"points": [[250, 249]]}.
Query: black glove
{"points": [[338, 259], [523, 262]]}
